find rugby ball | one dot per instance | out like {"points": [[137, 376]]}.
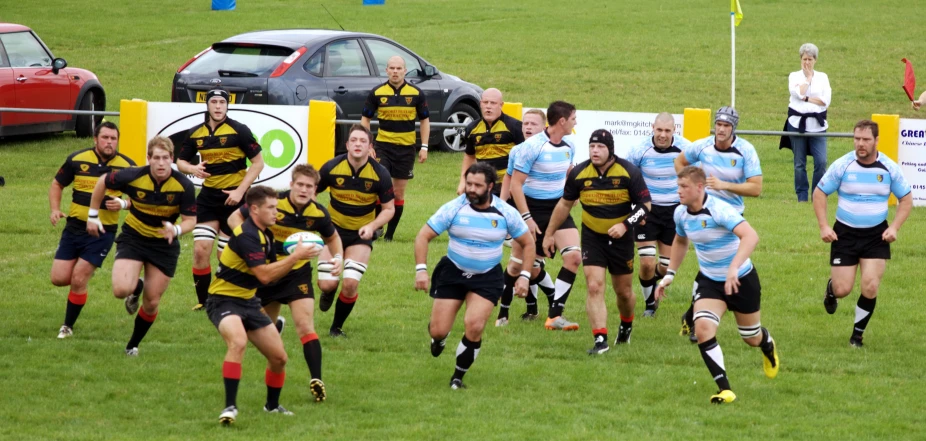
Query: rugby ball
{"points": [[293, 241]]}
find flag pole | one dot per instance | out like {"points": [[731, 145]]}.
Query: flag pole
{"points": [[732, 59]]}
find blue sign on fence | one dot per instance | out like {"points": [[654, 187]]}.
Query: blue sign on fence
{"points": [[373, 2]]}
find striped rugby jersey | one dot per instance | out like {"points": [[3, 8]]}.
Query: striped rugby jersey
{"points": [[545, 165], [354, 192], [658, 168], [711, 231], [153, 203], [248, 247], [476, 235], [83, 168], [863, 189], [735, 164]]}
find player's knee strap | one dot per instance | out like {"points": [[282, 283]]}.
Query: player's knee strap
{"points": [[203, 232], [569, 249], [354, 270], [664, 261], [750, 330], [221, 242], [538, 262], [324, 271], [516, 260], [647, 251], [707, 315]]}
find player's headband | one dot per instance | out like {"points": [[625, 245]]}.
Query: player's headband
{"points": [[219, 93]]}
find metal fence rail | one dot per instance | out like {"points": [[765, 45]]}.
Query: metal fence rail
{"points": [[440, 125]]}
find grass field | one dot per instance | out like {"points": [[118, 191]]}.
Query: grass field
{"points": [[528, 383]]}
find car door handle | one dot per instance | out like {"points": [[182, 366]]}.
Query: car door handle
{"points": [[21, 79], [340, 90]]}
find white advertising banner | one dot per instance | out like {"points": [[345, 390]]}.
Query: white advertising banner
{"points": [[911, 153], [282, 132], [628, 129]]}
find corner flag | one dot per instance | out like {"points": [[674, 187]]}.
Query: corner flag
{"points": [[736, 11]]}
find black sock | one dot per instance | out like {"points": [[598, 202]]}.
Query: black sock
{"points": [[713, 358], [312, 351], [767, 346], [143, 323], [139, 288], [507, 295], [231, 374], [467, 352], [531, 300], [863, 311], [342, 309], [600, 332], [659, 274], [689, 315], [75, 304], [394, 222], [201, 283], [649, 286], [547, 289], [274, 383], [563, 287]]}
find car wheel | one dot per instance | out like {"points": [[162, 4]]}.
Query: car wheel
{"points": [[452, 138], [86, 124]]}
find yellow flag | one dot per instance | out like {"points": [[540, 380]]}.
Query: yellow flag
{"points": [[736, 11]]}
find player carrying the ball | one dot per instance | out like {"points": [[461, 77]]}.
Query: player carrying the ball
{"points": [[355, 181], [297, 212], [727, 280], [248, 262]]}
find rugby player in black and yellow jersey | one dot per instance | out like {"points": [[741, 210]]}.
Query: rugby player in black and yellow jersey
{"points": [[614, 199], [297, 211], [249, 262], [224, 146], [356, 182], [149, 238], [396, 104], [491, 138], [78, 254]]}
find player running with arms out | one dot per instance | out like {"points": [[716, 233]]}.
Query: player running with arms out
{"points": [[732, 167], [79, 254], [297, 211], [356, 183], [655, 157], [477, 223], [397, 104], [533, 122], [726, 280], [860, 240], [150, 238], [248, 263], [225, 146], [614, 201], [540, 169]]}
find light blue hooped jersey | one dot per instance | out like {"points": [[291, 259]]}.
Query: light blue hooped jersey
{"points": [[545, 164], [476, 235], [711, 231], [658, 168], [863, 189], [735, 164]]}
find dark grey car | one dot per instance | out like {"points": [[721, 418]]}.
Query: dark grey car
{"points": [[297, 65]]}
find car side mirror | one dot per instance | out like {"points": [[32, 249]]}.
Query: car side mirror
{"points": [[430, 71], [57, 65]]}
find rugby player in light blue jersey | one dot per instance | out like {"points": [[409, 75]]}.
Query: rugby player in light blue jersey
{"points": [[727, 280], [655, 157], [477, 223], [861, 237], [532, 123], [733, 171], [540, 168]]}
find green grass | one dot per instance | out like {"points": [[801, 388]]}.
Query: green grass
{"points": [[528, 382]]}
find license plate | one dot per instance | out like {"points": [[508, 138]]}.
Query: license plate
{"points": [[201, 97]]}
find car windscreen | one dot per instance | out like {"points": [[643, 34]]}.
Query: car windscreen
{"points": [[239, 60]]}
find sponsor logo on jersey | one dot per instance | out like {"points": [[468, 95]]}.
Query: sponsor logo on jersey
{"points": [[199, 143], [880, 178], [494, 223], [280, 215], [309, 223], [367, 185], [498, 136], [733, 162], [704, 224], [84, 167], [408, 100], [383, 100], [588, 183], [170, 199], [339, 181], [223, 140], [140, 194]]}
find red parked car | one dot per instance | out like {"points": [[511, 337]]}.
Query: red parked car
{"points": [[31, 77]]}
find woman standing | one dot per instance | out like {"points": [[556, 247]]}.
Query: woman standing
{"points": [[810, 95]]}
